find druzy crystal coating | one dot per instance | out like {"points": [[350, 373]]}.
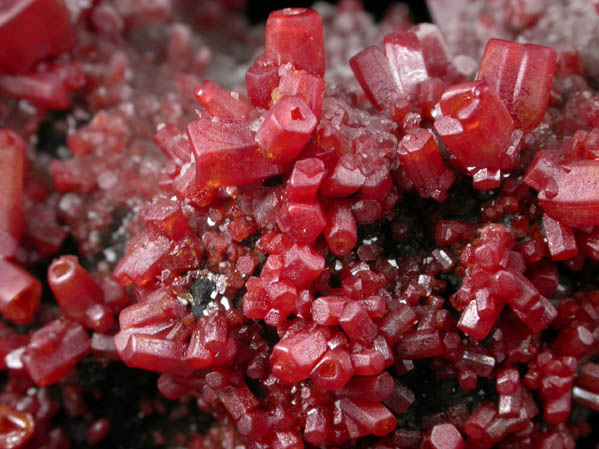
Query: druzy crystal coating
{"points": [[354, 235]]}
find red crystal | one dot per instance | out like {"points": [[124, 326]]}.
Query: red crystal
{"points": [[478, 130], [16, 427], [567, 192], [446, 436], [53, 32], [420, 344], [560, 239], [222, 103], [401, 398], [420, 158], [226, 154], [260, 80], [285, 268], [78, 294], [286, 129], [301, 265], [575, 341], [317, 423], [406, 59], [138, 14], [164, 216], [158, 308], [341, 231], [327, 310], [19, 293], [333, 370], [434, 49], [301, 222], [372, 70], [345, 178], [309, 87], [304, 181], [12, 167], [141, 264], [97, 431], [522, 75], [46, 89], [372, 417], [357, 324], [473, 324], [173, 143], [586, 398], [375, 388], [368, 362], [153, 353], [294, 35], [508, 381], [54, 350], [588, 377], [293, 358]]}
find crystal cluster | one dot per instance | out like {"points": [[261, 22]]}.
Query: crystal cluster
{"points": [[362, 235]]}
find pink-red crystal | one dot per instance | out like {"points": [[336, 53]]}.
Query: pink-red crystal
{"points": [[295, 36], [522, 75], [52, 33], [286, 129], [54, 350], [373, 71], [12, 168], [226, 154], [446, 436], [78, 294]]}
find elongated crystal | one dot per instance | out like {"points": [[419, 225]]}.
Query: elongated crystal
{"points": [[78, 294], [522, 75], [286, 129], [294, 35], [226, 154], [479, 131], [54, 350], [372, 70], [12, 167]]}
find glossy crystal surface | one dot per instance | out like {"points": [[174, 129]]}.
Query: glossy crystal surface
{"points": [[392, 253], [522, 75], [477, 128]]}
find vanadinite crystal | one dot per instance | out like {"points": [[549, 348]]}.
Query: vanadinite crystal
{"points": [[321, 231]]}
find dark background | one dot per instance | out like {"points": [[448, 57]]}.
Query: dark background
{"points": [[257, 11]]}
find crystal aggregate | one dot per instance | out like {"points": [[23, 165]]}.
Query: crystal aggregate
{"points": [[360, 235]]}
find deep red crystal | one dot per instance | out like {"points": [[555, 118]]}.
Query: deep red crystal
{"points": [[477, 128], [421, 160]]}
